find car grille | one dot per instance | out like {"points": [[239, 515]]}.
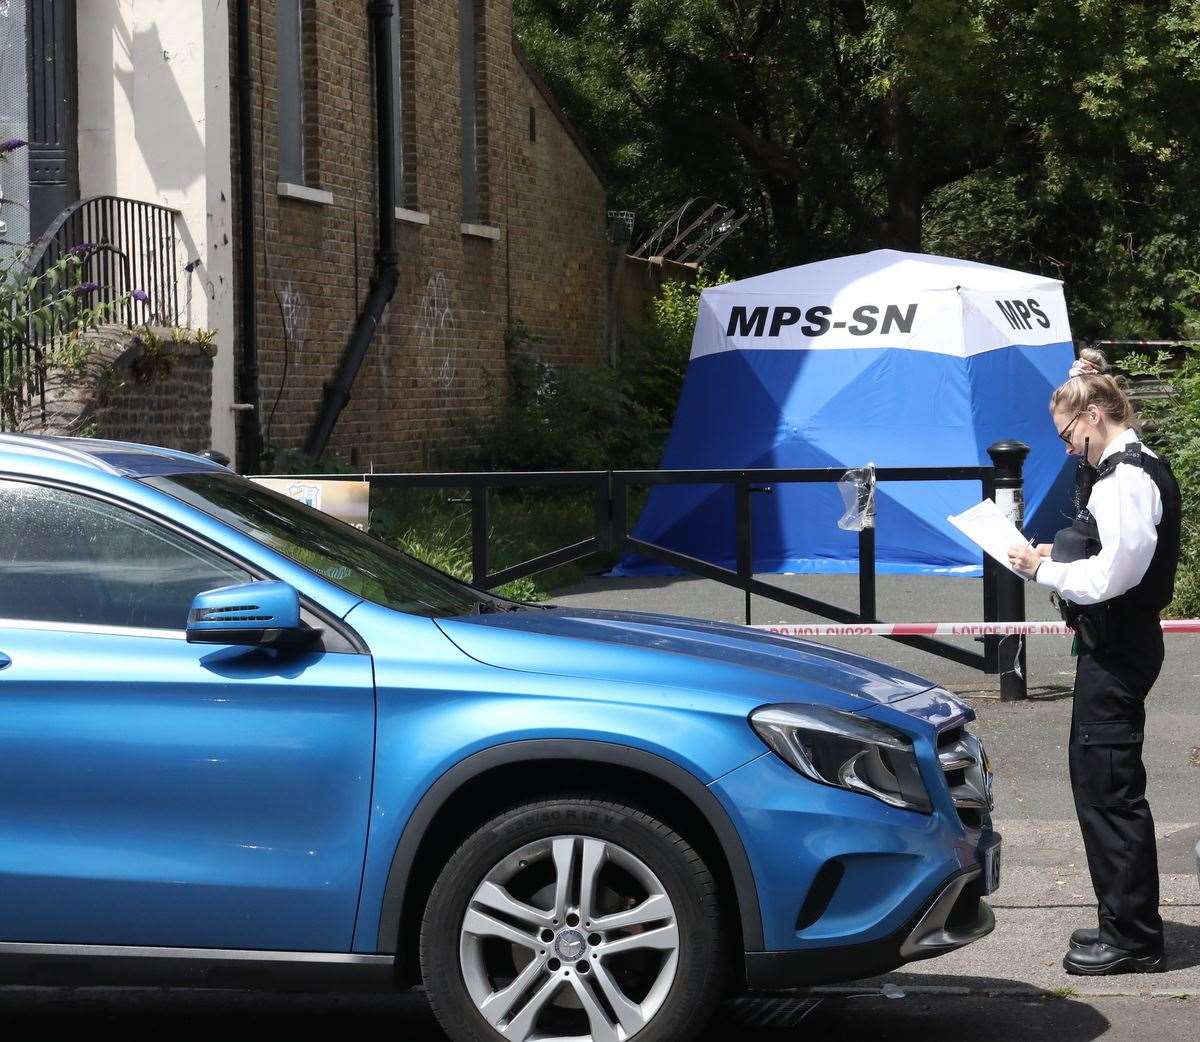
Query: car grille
{"points": [[964, 762]]}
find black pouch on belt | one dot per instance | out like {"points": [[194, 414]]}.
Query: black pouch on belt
{"points": [[1091, 622]]}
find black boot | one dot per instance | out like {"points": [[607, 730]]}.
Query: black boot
{"points": [[1085, 937], [1101, 959]]}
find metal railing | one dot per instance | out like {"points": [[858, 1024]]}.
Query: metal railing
{"points": [[1003, 592], [126, 245]]}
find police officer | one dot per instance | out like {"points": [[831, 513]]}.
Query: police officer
{"points": [[1114, 571]]}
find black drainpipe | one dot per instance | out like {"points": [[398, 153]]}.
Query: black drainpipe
{"points": [[336, 393], [250, 435]]}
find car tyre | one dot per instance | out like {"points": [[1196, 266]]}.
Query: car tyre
{"points": [[617, 929]]}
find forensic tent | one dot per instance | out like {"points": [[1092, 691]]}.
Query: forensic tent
{"points": [[896, 359]]}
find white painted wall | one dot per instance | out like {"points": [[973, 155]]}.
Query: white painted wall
{"points": [[154, 124]]}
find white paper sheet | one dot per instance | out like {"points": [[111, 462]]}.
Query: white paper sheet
{"points": [[989, 527]]}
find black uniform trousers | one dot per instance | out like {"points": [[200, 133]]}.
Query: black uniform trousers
{"points": [[1108, 778]]}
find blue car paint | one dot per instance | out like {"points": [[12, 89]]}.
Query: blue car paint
{"points": [[153, 824], [661, 649], [894, 859], [156, 792], [437, 706]]}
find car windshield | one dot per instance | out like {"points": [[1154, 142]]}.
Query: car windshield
{"points": [[333, 549]]}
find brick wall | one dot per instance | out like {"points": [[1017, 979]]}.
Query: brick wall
{"points": [[439, 355], [171, 408], [125, 391]]}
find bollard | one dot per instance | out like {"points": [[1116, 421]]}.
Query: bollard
{"points": [[1008, 457], [866, 557]]}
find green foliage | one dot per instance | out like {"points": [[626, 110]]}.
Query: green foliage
{"points": [[596, 417], [655, 360], [1174, 430], [54, 308], [435, 526], [564, 418], [1060, 138], [451, 553]]}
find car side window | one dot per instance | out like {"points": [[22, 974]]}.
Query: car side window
{"points": [[67, 557]]}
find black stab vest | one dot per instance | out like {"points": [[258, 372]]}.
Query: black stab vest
{"points": [[1082, 538]]}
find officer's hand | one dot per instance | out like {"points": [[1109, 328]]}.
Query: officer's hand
{"points": [[1024, 559]]}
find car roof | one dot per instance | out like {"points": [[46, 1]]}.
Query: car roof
{"points": [[113, 457]]}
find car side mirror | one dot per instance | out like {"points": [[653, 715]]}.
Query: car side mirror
{"points": [[257, 614]]}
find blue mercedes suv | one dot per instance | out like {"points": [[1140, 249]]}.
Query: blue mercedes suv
{"points": [[242, 742]]}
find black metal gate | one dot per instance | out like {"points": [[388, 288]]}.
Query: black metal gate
{"points": [[1003, 592]]}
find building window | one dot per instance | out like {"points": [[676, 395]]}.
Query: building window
{"points": [[289, 29], [402, 110], [532, 123], [474, 110]]}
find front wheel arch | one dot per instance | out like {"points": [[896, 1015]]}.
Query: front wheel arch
{"points": [[476, 788]]}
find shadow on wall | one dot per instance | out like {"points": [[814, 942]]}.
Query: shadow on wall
{"points": [[147, 72]]}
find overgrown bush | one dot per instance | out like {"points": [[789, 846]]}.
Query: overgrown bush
{"points": [[597, 417], [656, 358], [1174, 424], [45, 315], [564, 418], [43, 321]]}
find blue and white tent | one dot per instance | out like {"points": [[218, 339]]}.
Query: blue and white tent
{"points": [[893, 358]]}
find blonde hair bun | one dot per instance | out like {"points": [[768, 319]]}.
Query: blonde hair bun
{"points": [[1095, 358], [1089, 383]]}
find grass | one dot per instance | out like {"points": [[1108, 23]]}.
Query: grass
{"points": [[451, 553], [1063, 992], [435, 526]]}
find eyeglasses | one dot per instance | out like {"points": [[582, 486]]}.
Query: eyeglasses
{"points": [[1065, 433]]}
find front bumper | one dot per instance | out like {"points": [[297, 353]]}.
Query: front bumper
{"points": [[835, 868], [956, 916]]}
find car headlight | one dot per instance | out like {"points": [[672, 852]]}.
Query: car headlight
{"points": [[846, 751]]}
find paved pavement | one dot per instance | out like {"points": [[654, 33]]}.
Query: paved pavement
{"points": [[1007, 986]]}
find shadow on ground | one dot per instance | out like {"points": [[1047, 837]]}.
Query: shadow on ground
{"points": [[901, 1016], [996, 1014], [1049, 692]]}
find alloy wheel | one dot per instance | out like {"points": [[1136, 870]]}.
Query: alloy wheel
{"points": [[569, 937]]}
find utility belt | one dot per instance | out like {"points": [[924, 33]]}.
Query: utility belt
{"points": [[1092, 623]]}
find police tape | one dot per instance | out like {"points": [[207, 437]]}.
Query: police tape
{"points": [[947, 629]]}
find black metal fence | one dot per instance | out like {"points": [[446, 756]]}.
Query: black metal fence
{"points": [[1003, 592], [125, 245]]}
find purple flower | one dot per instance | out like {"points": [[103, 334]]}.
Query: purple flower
{"points": [[85, 289], [141, 296], [11, 145], [82, 249]]}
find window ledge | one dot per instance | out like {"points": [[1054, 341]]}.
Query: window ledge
{"points": [[289, 190], [480, 231], [411, 216]]}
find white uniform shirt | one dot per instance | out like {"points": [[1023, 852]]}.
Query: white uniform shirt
{"points": [[1127, 506]]}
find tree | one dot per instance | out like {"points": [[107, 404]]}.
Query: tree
{"points": [[1054, 136]]}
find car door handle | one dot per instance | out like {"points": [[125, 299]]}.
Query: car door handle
{"points": [[5, 661]]}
